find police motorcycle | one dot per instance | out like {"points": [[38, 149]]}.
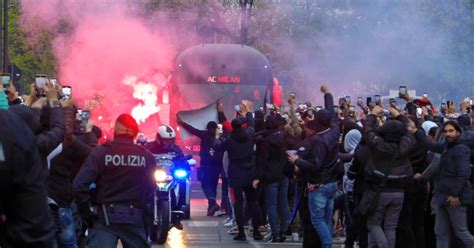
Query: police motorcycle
{"points": [[172, 193]]}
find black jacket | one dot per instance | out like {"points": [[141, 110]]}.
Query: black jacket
{"points": [[64, 169], [454, 171], [419, 155], [65, 166], [23, 197], [210, 159], [271, 156], [49, 139], [46, 140], [240, 147], [356, 172], [123, 173], [320, 162], [390, 146]]}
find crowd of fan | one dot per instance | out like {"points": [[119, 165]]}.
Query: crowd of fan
{"points": [[43, 143], [376, 172]]}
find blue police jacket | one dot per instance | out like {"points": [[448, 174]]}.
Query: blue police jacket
{"points": [[122, 171]]}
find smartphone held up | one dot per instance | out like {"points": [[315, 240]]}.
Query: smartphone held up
{"points": [[402, 91], [40, 83], [67, 91], [6, 81], [377, 99], [85, 116]]}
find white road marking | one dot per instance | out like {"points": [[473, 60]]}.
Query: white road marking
{"points": [[203, 224]]}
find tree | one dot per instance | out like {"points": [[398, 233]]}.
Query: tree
{"points": [[246, 12], [32, 53]]}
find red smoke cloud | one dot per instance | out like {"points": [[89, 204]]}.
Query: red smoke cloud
{"points": [[107, 45], [104, 51]]}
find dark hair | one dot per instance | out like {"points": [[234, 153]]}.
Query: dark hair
{"points": [[271, 122], [415, 120], [432, 131], [236, 124], [259, 114], [454, 124], [211, 125]]}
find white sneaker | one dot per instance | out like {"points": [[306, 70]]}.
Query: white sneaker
{"points": [[231, 223], [233, 230], [227, 220], [219, 213]]}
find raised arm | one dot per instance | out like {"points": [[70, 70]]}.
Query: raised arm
{"points": [[199, 133]]}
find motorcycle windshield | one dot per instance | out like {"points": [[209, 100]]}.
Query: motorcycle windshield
{"points": [[163, 160]]}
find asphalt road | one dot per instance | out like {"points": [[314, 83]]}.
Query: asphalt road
{"points": [[202, 231]]}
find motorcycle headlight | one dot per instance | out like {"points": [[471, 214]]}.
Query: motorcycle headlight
{"points": [[180, 174], [161, 176]]}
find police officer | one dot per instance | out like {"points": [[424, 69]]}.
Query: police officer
{"points": [[165, 144], [123, 174]]}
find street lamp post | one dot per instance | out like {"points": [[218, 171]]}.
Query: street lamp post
{"points": [[5, 36]]}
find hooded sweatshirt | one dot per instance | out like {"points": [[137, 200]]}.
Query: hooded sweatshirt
{"points": [[271, 152], [390, 146], [351, 141], [427, 125], [241, 152]]}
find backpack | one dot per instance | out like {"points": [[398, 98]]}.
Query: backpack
{"points": [[394, 170]]}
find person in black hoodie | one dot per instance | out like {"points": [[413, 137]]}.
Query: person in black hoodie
{"points": [[411, 222], [242, 170], [271, 161], [320, 167], [211, 162], [390, 169], [64, 168]]}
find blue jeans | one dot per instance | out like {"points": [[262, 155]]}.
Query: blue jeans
{"points": [[67, 238], [321, 206], [452, 221], [277, 198]]}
